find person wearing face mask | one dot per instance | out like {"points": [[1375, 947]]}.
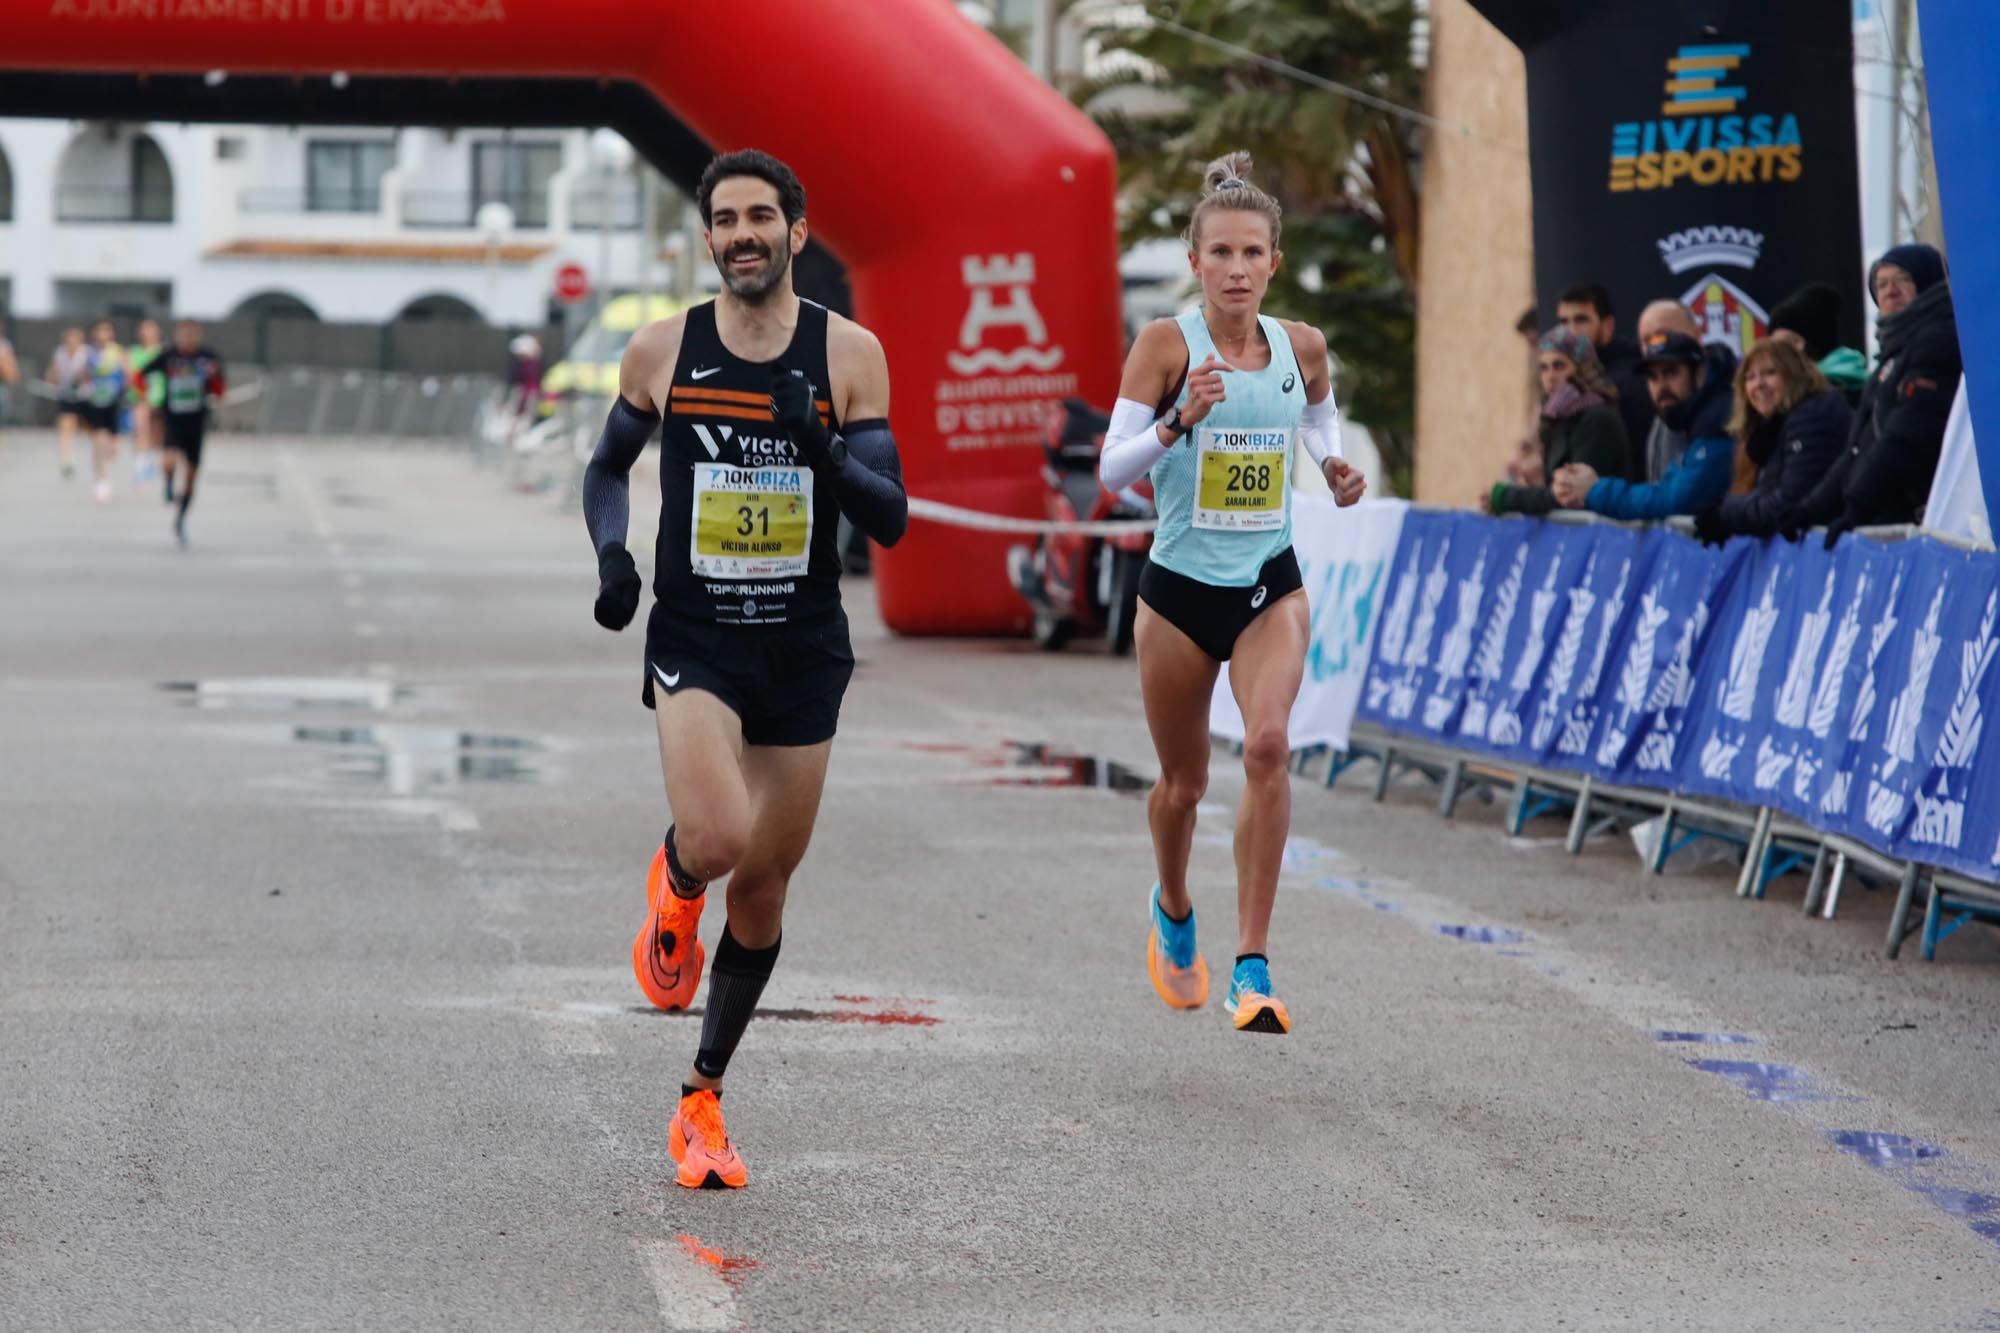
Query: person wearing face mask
{"points": [[1791, 424], [1884, 476], [1689, 384], [1579, 423]]}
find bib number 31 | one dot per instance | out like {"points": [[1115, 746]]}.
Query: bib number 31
{"points": [[751, 523]]}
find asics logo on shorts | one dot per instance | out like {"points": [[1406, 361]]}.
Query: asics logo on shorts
{"points": [[1257, 597]]}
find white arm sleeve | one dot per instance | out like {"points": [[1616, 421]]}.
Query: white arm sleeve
{"points": [[1131, 445], [1319, 429]]}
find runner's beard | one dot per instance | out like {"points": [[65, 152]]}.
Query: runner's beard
{"points": [[757, 286]]}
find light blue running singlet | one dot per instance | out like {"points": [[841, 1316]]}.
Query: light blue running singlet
{"points": [[1224, 491]]}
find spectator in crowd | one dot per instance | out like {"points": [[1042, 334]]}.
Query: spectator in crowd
{"points": [[1524, 468], [1690, 386], [1884, 475], [1662, 445], [1579, 422], [1809, 319], [1792, 425], [1585, 307]]}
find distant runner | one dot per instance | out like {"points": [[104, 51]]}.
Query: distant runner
{"points": [[192, 378]]}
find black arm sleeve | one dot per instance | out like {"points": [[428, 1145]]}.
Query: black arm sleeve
{"points": [[869, 485], [607, 496]]}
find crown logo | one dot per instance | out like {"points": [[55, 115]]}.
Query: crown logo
{"points": [[1700, 246], [998, 270]]}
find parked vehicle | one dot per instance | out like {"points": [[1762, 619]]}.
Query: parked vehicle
{"points": [[1077, 583]]}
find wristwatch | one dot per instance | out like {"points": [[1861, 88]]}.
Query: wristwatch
{"points": [[836, 453], [1173, 422]]}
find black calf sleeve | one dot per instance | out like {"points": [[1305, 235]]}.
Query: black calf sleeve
{"points": [[736, 978]]}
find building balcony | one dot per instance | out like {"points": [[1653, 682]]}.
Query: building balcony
{"points": [[114, 204], [312, 200], [459, 209]]}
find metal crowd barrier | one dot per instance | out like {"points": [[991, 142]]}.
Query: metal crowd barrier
{"points": [[1773, 843]]}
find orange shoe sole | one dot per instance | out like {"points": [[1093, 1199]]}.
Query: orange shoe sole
{"points": [[698, 1177], [1193, 991], [1261, 1013]]}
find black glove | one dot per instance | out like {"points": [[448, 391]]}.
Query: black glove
{"points": [[1841, 526], [617, 587], [1709, 527], [792, 407]]}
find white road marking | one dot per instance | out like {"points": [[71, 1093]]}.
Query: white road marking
{"points": [[691, 1294], [457, 819]]}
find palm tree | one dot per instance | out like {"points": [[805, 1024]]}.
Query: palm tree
{"points": [[1193, 87]]}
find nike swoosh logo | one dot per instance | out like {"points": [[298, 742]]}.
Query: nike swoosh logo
{"points": [[669, 681], [704, 374]]}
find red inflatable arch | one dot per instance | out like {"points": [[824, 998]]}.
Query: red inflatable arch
{"points": [[972, 205]]}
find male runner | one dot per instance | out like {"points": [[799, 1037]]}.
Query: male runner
{"points": [[146, 393], [192, 372], [775, 424], [104, 403]]}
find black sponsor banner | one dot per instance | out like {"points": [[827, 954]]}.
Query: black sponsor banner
{"points": [[1692, 149]]}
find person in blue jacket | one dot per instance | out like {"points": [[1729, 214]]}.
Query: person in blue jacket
{"points": [[1690, 386]]}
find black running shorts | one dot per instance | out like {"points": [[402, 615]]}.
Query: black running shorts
{"points": [[99, 416], [785, 682], [185, 433], [1214, 617]]}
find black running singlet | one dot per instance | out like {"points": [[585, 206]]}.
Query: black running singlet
{"points": [[749, 535]]}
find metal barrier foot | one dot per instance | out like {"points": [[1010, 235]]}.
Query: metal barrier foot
{"points": [[1899, 920], [1579, 822], [1751, 880], [1816, 885], [1450, 786]]}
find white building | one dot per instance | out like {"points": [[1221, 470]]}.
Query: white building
{"points": [[351, 225]]}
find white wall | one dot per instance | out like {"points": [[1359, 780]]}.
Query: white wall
{"points": [[36, 252]]}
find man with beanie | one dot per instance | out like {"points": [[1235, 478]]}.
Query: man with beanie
{"points": [[1663, 445], [1885, 474], [1690, 387], [1809, 319]]}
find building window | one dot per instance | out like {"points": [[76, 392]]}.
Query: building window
{"points": [[230, 148], [517, 175], [345, 176], [152, 182], [6, 190]]}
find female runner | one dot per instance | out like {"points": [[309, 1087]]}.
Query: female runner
{"points": [[1210, 405]]}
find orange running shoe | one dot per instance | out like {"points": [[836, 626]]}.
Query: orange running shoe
{"points": [[701, 1146], [666, 954], [1179, 972]]}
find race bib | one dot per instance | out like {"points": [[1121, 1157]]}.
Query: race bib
{"points": [[751, 523], [185, 393], [1242, 480]]}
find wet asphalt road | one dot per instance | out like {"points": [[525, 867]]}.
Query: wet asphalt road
{"points": [[316, 1008]]}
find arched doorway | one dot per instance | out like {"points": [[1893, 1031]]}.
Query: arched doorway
{"points": [[111, 173], [6, 188], [273, 305], [439, 308]]}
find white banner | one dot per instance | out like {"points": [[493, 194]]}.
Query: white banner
{"points": [[1344, 555]]}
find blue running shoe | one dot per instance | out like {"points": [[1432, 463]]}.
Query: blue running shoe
{"points": [[1179, 973], [1250, 1000]]}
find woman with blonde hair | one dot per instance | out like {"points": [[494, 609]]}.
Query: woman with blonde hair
{"points": [[1791, 425], [1211, 405]]}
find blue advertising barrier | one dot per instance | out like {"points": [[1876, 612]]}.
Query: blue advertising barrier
{"points": [[1846, 689]]}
